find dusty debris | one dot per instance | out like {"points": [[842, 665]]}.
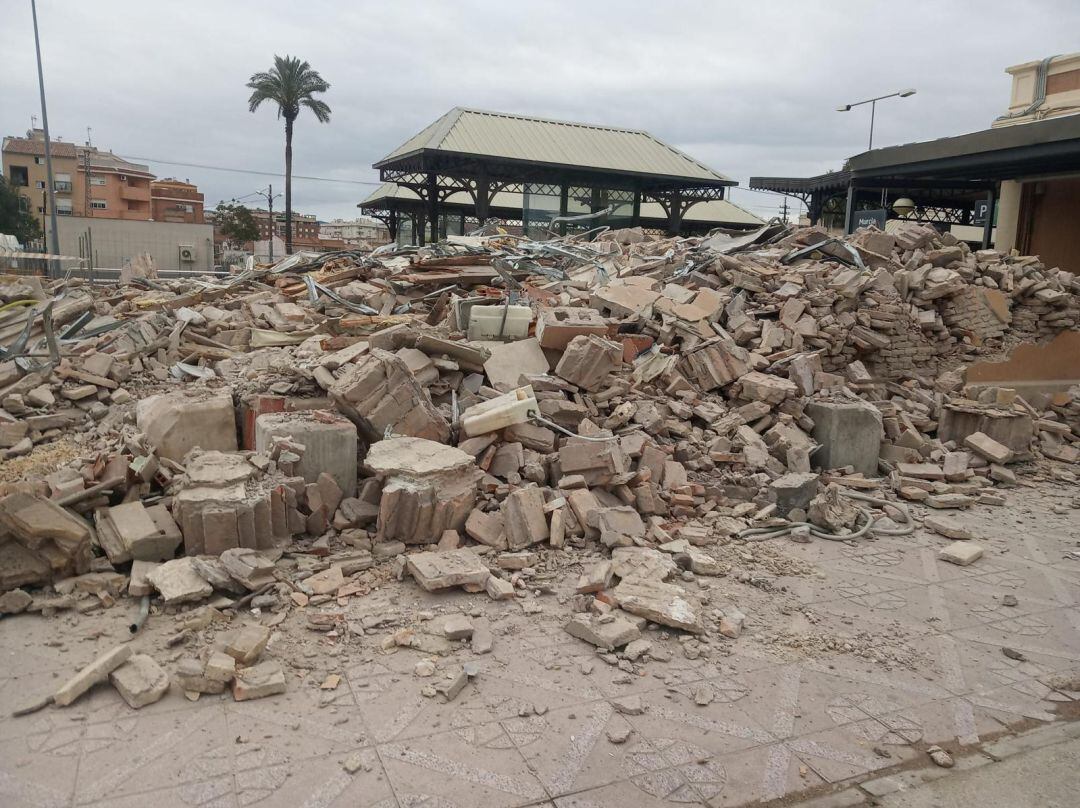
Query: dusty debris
{"points": [[289, 449]]}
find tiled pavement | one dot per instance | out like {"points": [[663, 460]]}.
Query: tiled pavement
{"points": [[532, 727]]}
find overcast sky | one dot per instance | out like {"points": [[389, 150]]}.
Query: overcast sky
{"points": [[747, 88]]}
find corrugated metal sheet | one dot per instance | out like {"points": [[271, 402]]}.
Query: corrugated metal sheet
{"points": [[538, 140], [718, 211]]}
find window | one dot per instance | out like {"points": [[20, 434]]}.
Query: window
{"points": [[39, 161], [96, 180], [19, 176], [62, 186], [99, 204], [24, 204], [40, 185]]}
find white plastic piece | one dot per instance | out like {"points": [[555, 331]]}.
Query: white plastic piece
{"points": [[497, 413], [486, 322]]}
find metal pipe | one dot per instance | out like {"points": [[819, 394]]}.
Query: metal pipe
{"points": [[140, 618], [48, 144]]}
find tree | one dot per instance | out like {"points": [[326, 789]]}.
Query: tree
{"points": [[291, 84], [235, 223], [15, 219]]}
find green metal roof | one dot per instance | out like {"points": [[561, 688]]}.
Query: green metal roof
{"points": [[539, 140]]}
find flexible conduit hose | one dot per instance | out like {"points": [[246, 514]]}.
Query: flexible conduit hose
{"points": [[865, 517]]}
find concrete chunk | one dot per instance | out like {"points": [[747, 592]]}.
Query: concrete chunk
{"points": [[434, 571], [179, 582], [607, 633], [260, 681], [175, 423], [658, 602], [140, 681], [961, 553]]}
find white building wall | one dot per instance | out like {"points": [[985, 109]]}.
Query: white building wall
{"points": [[116, 241]]}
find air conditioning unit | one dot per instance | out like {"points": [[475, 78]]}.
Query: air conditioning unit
{"points": [[187, 254]]}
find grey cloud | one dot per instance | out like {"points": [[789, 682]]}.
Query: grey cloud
{"points": [[747, 88]]}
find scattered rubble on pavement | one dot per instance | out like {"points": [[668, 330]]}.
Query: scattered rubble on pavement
{"points": [[619, 434]]}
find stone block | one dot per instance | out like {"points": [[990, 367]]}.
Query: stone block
{"points": [[988, 448], [262, 680], [557, 326], [961, 553], [176, 423], [512, 360], [434, 571], [486, 528], [179, 582], [524, 518], [43, 542], [144, 539], [756, 386], [588, 362], [794, 490], [140, 681], [608, 633], [599, 463], [428, 488], [715, 363], [246, 644], [380, 393], [666, 604], [848, 434], [329, 442]]}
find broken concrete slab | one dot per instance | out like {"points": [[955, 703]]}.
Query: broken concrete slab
{"points": [[608, 632], [97, 671], [435, 571], [848, 433], [659, 602], [961, 553], [178, 581], [509, 361]]}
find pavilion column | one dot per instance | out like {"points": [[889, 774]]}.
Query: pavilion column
{"points": [[635, 217], [433, 205], [988, 225], [392, 225], [849, 210], [675, 213], [483, 199]]}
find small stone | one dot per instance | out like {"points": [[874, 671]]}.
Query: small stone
{"points": [[220, 667], [628, 705], [703, 696], [425, 667], [940, 757], [619, 733], [1012, 653], [1009, 600], [14, 602], [353, 763]]}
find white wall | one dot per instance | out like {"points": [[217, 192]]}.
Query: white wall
{"points": [[116, 241]]}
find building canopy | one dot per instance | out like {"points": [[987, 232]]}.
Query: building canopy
{"points": [[479, 164], [946, 178]]}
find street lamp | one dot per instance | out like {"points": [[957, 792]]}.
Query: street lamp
{"points": [[873, 106]]}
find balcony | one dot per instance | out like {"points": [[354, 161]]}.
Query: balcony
{"points": [[135, 193], [62, 187]]}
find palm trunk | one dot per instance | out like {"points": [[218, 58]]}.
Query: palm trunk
{"points": [[288, 186]]}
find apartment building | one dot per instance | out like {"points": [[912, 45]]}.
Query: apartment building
{"points": [[355, 231], [87, 181], [24, 168], [304, 225], [173, 200]]}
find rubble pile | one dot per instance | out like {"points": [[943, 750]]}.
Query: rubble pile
{"points": [[605, 421]]}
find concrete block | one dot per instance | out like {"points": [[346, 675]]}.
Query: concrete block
{"points": [[140, 681], [961, 553], [848, 433], [175, 423], [512, 360], [434, 571], [246, 644], [260, 681], [329, 441], [588, 362], [794, 490], [557, 326]]}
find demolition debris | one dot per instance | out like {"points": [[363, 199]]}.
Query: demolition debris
{"points": [[585, 427]]}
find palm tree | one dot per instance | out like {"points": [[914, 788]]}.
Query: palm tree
{"points": [[290, 84]]}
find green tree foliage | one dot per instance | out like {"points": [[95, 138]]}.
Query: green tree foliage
{"points": [[15, 220]]}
